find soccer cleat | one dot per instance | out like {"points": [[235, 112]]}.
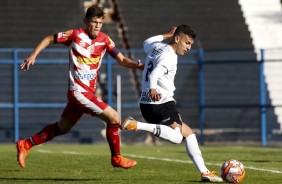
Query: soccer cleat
{"points": [[211, 177], [129, 123], [22, 152], [120, 161]]}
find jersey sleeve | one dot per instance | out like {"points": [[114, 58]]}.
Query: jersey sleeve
{"points": [[64, 37], [148, 43], [111, 49]]}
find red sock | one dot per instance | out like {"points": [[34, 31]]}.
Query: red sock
{"points": [[46, 134], [28, 144], [113, 138]]}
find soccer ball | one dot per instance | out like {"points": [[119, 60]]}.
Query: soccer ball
{"points": [[232, 171]]}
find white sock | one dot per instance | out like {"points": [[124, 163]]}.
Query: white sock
{"points": [[146, 127], [195, 154], [162, 131]]}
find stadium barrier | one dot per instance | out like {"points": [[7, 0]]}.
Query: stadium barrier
{"points": [[15, 57]]}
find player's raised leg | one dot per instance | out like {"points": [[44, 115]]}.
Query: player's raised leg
{"points": [[162, 131]]}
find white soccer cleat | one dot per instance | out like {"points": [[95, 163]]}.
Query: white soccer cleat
{"points": [[211, 177]]}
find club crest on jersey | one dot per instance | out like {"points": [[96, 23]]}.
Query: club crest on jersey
{"points": [[91, 49]]}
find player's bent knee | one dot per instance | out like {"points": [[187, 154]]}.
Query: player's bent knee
{"points": [[176, 136], [109, 116], [115, 117], [186, 130]]}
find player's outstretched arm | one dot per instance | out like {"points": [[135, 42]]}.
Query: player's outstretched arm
{"points": [[31, 59], [126, 62]]}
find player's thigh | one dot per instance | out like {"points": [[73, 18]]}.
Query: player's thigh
{"points": [[165, 114], [170, 114], [88, 103], [91, 104], [151, 113]]}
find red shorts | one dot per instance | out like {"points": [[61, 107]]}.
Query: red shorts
{"points": [[80, 103]]}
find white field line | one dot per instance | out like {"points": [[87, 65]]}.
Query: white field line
{"points": [[156, 158], [190, 162]]}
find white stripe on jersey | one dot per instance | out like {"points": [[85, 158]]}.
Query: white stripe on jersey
{"points": [[87, 103], [85, 38], [99, 43], [81, 50]]}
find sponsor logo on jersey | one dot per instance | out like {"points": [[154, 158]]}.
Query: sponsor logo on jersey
{"points": [[88, 61], [89, 75], [65, 35], [156, 52], [145, 97]]}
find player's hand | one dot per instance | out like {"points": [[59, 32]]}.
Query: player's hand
{"points": [[140, 65], [27, 62], [170, 33], [154, 95]]}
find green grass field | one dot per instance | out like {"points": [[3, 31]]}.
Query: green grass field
{"points": [[156, 164]]}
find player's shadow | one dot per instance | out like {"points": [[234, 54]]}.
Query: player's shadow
{"points": [[196, 181]]}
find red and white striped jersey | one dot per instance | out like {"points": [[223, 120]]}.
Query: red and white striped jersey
{"points": [[85, 57]]}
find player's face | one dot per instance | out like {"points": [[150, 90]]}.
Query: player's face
{"points": [[184, 44], [93, 26]]}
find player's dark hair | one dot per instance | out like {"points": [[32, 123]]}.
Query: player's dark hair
{"points": [[94, 11], [185, 30]]}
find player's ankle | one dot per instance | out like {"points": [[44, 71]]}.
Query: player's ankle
{"points": [[28, 145]]}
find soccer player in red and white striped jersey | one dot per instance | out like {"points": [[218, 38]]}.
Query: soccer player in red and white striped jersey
{"points": [[87, 46]]}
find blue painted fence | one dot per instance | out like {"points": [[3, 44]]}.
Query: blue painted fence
{"points": [[16, 105]]}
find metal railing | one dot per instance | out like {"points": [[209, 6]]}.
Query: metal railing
{"points": [[16, 105]]}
